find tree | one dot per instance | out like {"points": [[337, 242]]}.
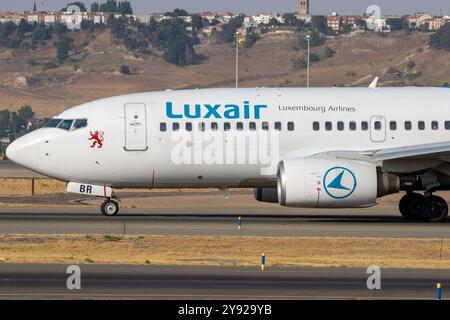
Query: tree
{"points": [[63, 47], [197, 22], [76, 3], [24, 27], [109, 6], [25, 113], [315, 40], [290, 19], [41, 32], [119, 26], [95, 7], [441, 39], [87, 24], [397, 24], [6, 29], [361, 24], [179, 13], [15, 122], [251, 38], [228, 34], [346, 28], [320, 24], [273, 22], [5, 116], [34, 7], [124, 7]]}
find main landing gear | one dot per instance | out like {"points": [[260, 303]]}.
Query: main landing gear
{"points": [[414, 206], [110, 207]]}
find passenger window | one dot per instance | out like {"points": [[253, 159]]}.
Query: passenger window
{"points": [[175, 126], [340, 126], [239, 126], [291, 126], [364, 126], [252, 126], [447, 125], [434, 125], [201, 126], [265, 126], [408, 125], [188, 126], [316, 126], [352, 126], [65, 125], [79, 123], [328, 126], [421, 125], [393, 125], [53, 123], [278, 126], [227, 126], [377, 125], [214, 126], [163, 127]]}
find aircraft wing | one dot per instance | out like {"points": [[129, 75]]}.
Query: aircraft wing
{"points": [[428, 151]]}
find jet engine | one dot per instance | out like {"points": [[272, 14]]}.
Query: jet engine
{"points": [[332, 183]]}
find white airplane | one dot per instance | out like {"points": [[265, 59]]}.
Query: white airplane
{"points": [[317, 147]]}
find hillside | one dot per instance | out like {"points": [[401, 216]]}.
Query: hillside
{"points": [[92, 72]]}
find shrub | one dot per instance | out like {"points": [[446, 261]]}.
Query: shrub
{"points": [[299, 64], [125, 70], [314, 57], [50, 65], [411, 65], [328, 52]]}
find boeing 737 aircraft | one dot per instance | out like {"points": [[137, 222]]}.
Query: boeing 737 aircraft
{"points": [[317, 147]]}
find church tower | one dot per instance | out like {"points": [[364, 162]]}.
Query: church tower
{"points": [[304, 8]]}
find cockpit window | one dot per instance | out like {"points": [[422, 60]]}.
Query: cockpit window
{"points": [[79, 123], [65, 125], [53, 123]]}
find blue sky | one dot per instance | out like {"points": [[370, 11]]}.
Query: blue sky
{"points": [[255, 6]]}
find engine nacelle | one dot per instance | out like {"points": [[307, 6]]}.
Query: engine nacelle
{"points": [[266, 194], [332, 183]]}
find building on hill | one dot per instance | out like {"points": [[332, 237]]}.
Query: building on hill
{"points": [[376, 23], [419, 19], [336, 22], [10, 16], [437, 23], [71, 20]]}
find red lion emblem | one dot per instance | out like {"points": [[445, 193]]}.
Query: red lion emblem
{"points": [[97, 136]]}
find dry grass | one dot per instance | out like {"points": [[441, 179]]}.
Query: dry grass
{"points": [[221, 251], [22, 186]]}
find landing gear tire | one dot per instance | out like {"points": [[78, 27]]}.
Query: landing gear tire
{"points": [[435, 209], [411, 206], [110, 208]]}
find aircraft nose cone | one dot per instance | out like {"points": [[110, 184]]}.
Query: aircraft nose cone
{"points": [[24, 152]]}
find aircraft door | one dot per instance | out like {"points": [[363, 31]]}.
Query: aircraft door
{"points": [[135, 127], [378, 128]]}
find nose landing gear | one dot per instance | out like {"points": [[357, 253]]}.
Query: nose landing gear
{"points": [[110, 208], [414, 206]]}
